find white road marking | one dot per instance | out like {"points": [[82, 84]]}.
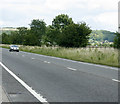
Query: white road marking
{"points": [[32, 58], [23, 55], [46, 62], [72, 69], [115, 80], [35, 94], [103, 66]]}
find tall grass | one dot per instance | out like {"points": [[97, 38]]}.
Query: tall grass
{"points": [[104, 56]]}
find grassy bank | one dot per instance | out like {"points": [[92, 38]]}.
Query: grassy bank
{"points": [[104, 56]]}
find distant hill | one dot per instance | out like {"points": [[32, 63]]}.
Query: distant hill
{"points": [[102, 35], [7, 30]]}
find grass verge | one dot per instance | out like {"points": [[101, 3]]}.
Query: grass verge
{"points": [[103, 56]]}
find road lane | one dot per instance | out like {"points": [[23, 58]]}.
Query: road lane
{"points": [[100, 70], [59, 84], [14, 90]]}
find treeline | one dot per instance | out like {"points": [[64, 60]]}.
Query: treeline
{"points": [[117, 40], [63, 32]]}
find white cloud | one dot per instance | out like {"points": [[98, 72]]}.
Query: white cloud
{"points": [[62, 4], [104, 4], [1, 22], [108, 18], [101, 11], [88, 4], [56, 5]]}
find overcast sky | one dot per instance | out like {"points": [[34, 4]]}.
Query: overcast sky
{"points": [[99, 14]]}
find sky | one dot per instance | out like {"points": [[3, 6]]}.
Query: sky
{"points": [[98, 14]]}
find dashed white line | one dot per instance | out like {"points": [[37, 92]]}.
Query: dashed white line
{"points": [[103, 66], [115, 80], [46, 62], [33, 92], [72, 69], [32, 58], [23, 55]]}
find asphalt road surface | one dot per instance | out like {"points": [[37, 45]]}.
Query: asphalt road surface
{"points": [[29, 77]]}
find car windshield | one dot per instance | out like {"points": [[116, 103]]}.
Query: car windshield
{"points": [[14, 46]]}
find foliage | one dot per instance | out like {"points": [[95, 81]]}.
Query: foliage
{"points": [[5, 38], [75, 35], [22, 32], [61, 21], [117, 40], [101, 38], [52, 35], [63, 32], [102, 35], [105, 56], [30, 39], [38, 28]]}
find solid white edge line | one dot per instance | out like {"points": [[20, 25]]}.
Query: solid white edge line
{"points": [[107, 67], [35, 94], [115, 80], [72, 69]]}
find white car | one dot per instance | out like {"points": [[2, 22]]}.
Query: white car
{"points": [[14, 48]]}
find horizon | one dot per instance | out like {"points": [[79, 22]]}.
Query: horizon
{"points": [[1, 28]]}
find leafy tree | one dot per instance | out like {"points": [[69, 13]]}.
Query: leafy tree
{"points": [[117, 40], [52, 35], [5, 38], [58, 24], [60, 21], [75, 35], [30, 39], [14, 35], [22, 32], [38, 28]]}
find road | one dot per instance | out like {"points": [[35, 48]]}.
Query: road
{"points": [[56, 79]]}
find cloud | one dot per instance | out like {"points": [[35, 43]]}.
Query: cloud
{"points": [[88, 4], [1, 22], [108, 18], [104, 4], [19, 12], [61, 4]]}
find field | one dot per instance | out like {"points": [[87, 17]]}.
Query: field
{"points": [[104, 56]]}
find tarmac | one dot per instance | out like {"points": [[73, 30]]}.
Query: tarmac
{"points": [[3, 96]]}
